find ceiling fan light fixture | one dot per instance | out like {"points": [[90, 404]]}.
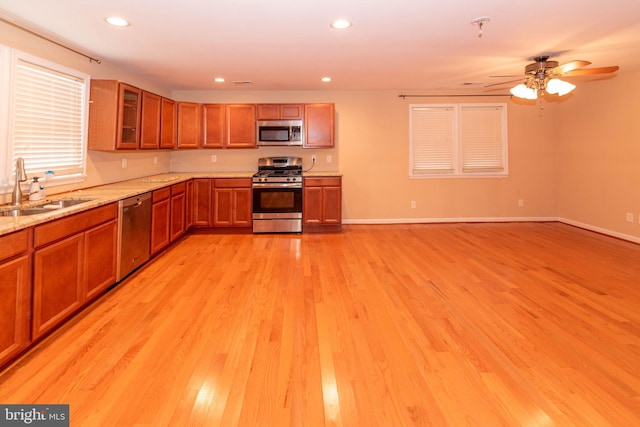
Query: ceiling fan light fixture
{"points": [[522, 91], [560, 87]]}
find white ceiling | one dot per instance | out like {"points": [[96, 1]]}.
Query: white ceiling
{"points": [[288, 44]]}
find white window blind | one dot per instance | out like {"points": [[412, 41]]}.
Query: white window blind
{"points": [[432, 133], [48, 119], [458, 140]]}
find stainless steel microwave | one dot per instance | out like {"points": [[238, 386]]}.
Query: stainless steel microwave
{"points": [[279, 132]]}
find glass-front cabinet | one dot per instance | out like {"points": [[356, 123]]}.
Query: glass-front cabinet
{"points": [[129, 117]]}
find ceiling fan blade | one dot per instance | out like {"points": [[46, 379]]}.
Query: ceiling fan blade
{"points": [[569, 66], [504, 83], [512, 75], [591, 71]]}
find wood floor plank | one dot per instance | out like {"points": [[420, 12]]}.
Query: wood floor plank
{"points": [[515, 324]]}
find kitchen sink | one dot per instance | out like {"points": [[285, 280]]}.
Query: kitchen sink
{"points": [[43, 207], [24, 211], [64, 203]]}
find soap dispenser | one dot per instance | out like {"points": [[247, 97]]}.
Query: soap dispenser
{"points": [[34, 191]]}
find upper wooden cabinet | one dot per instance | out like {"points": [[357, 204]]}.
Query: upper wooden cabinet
{"points": [[168, 118], [319, 125], [240, 126], [150, 121], [188, 125], [229, 125], [280, 111], [114, 116], [213, 123]]}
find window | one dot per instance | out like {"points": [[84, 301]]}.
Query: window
{"points": [[47, 119], [458, 140]]}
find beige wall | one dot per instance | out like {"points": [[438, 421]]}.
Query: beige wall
{"points": [[599, 141], [554, 148]]}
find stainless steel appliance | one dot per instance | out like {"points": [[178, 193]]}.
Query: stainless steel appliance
{"points": [[277, 195], [134, 233], [279, 132]]}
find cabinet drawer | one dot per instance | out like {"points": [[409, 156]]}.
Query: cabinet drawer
{"points": [[161, 194], [329, 181], [232, 182], [63, 227], [178, 188], [14, 244]]}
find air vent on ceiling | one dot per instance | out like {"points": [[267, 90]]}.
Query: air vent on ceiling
{"points": [[242, 82]]}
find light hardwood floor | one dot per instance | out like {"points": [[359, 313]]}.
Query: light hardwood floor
{"points": [[396, 325]]}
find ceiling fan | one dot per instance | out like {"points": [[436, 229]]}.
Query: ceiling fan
{"points": [[542, 76]]}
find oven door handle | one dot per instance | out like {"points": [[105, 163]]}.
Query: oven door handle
{"points": [[279, 185]]}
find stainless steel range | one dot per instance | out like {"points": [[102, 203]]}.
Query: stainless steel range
{"points": [[277, 195]]}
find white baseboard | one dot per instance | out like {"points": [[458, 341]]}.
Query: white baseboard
{"points": [[492, 219]]}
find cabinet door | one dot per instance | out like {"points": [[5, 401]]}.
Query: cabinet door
{"points": [[150, 121], [291, 111], [168, 123], [202, 202], [160, 220], [312, 205], [177, 216], [213, 125], [331, 205], [129, 102], [242, 207], [223, 207], [15, 306], [241, 126], [319, 125], [188, 211], [57, 283], [100, 248], [188, 125]]}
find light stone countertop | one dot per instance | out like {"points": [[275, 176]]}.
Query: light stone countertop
{"points": [[109, 193]]}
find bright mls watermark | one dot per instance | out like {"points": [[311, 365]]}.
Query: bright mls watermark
{"points": [[34, 415]]}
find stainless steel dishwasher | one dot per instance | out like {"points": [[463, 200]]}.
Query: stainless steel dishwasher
{"points": [[134, 233]]}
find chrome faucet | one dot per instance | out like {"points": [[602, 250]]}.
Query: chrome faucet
{"points": [[21, 176]]}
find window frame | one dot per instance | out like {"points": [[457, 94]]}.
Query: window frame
{"points": [[457, 144], [9, 60]]}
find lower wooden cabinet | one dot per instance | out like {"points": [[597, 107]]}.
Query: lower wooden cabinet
{"points": [[202, 196], [74, 260], [322, 202], [160, 219], [178, 211], [15, 289], [232, 202]]}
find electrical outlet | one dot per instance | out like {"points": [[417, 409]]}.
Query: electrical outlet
{"points": [[124, 162], [520, 203], [313, 158], [214, 158], [413, 204], [155, 160], [629, 217], [329, 158]]}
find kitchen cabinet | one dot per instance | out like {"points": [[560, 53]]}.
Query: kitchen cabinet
{"points": [[168, 118], [160, 219], [73, 261], [280, 111], [229, 126], [178, 211], [114, 116], [15, 288], [319, 125], [202, 197], [240, 126], [322, 203], [188, 125], [232, 202], [213, 123], [188, 211], [150, 121]]}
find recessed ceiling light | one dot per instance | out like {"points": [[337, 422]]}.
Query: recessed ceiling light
{"points": [[340, 24], [326, 79], [118, 22], [218, 80]]}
